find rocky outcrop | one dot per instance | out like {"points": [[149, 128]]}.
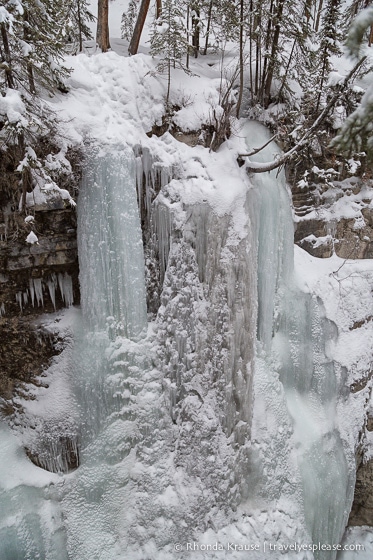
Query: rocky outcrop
{"points": [[26, 266], [362, 507], [35, 278], [25, 352], [321, 238], [335, 219]]}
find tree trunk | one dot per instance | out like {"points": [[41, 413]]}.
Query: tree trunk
{"points": [[322, 79], [208, 26], [135, 40], [258, 49], [318, 15], [286, 71], [187, 33], [27, 36], [308, 10], [195, 30], [239, 101], [272, 62], [80, 27], [7, 57], [267, 45], [158, 9], [102, 36], [168, 85]]}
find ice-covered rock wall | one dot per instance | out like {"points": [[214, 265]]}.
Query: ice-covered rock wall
{"points": [[206, 333], [218, 420]]}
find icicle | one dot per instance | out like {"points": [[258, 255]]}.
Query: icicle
{"points": [[65, 284], [163, 228], [51, 283], [38, 291], [148, 171], [25, 298], [139, 177], [32, 291], [165, 176], [19, 299], [2, 310]]}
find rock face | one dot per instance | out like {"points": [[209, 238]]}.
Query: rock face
{"points": [[335, 218], [362, 508], [35, 278], [25, 350], [320, 238], [340, 220], [24, 265]]}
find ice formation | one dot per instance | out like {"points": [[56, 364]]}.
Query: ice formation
{"points": [[37, 287], [218, 424], [294, 332], [110, 244]]}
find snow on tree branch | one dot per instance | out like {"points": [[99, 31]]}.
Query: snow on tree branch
{"points": [[269, 166], [356, 33]]}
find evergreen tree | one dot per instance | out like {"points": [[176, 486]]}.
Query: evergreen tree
{"points": [[78, 20], [129, 20], [168, 40], [224, 18], [353, 9], [278, 33], [329, 37], [32, 46], [356, 134]]}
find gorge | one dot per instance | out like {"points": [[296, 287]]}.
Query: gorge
{"points": [[215, 385]]}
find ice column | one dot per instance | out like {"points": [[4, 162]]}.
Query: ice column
{"points": [[110, 244], [293, 334]]}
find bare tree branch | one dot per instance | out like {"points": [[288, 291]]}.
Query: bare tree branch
{"points": [[257, 150], [269, 166]]}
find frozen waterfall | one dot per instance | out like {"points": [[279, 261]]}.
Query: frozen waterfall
{"points": [[293, 341], [110, 244], [216, 422]]}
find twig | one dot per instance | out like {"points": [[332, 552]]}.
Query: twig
{"points": [[257, 150]]}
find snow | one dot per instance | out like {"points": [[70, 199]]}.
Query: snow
{"points": [[356, 537], [32, 238], [13, 107]]}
